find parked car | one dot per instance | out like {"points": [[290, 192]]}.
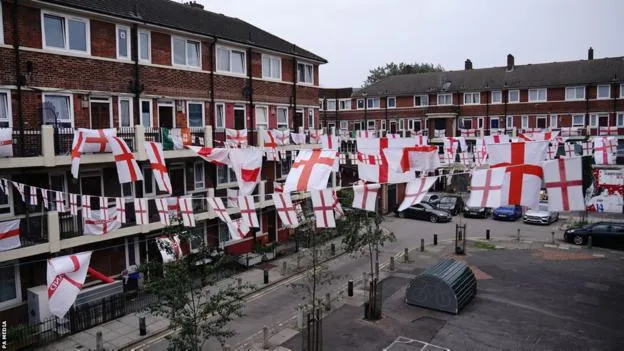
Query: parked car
{"points": [[476, 212], [426, 212], [431, 199], [602, 233], [541, 215], [507, 213], [452, 203]]}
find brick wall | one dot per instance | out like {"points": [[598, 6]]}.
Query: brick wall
{"points": [[101, 43]]}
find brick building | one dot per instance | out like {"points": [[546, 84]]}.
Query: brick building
{"points": [[137, 66]]}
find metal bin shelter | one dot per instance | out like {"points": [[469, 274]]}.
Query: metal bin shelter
{"points": [[447, 286]]}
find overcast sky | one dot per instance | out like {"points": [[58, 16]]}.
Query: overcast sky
{"points": [[355, 36]]}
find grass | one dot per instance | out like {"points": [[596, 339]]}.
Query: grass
{"points": [[484, 245]]}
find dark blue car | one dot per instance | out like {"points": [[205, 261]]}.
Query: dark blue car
{"points": [[507, 213]]}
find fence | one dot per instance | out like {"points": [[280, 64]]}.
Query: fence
{"points": [[70, 225], [31, 143], [152, 134], [63, 138], [127, 134]]}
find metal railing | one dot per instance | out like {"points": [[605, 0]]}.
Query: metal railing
{"points": [[152, 134], [70, 225], [128, 135], [198, 136], [63, 138], [32, 143]]}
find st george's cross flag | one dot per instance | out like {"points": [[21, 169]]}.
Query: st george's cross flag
{"points": [[65, 277], [156, 159], [162, 207], [551, 152], [232, 197], [310, 171], [217, 156], [298, 138], [280, 137], [337, 206], [330, 142], [170, 248], [128, 169], [315, 136], [96, 140], [33, 200], [420, 139], [323, 207], [569, 150], [59, 201], [6, 142], [10, 235], [365, 196], [452, 144], [517, 153], [236, 137], [538, 136], [219, 208], [373, 148], [238, 229], [120, 207], [497, 139], [141, 211], [101, 222], [186, 211], [603, 152], [365, 134], [413, 158], [415, 191], [522, 185], [248, 211], [247, 166], [588, 148], [76, 152], [285, 210], [563, 179], [485, 188]]}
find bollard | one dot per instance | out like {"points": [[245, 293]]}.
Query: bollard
{"points": [[333, 249], [518, 235], [406, 255], [142, 328], [552, 234], [435, 239], [99, 344], [589, 242], [392, 263], [265, 338], [266, 276], [284, 268], [300, 317], [239, 282], [487, 234], [364, 280], [422, 244], [327, 302], [350, 288]]}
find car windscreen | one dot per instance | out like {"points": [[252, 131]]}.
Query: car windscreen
{"points": [[448, 200]]}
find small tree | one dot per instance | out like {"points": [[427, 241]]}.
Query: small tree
{"points": [[392, 69]]}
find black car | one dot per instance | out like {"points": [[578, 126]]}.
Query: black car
{"points": [[431, 199], [602, 233], [476, 212], [426, 212], [454, 204]]}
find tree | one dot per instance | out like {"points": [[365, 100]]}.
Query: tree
{"points": [[188, 296], [392, 69]]}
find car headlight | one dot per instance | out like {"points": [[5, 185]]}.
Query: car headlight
{"points": [[570, 231]]}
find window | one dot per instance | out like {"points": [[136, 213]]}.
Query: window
{"points": [[310, 118], [496, 97], [620, 120], [370, 125], [383, 124], [541, 122], [603, 91], [271, 67], [199, 175], [125, 112], [494, 123], [146, 113], [321, 104], [372, 103], [123, 42], [357, 125], [305, 73], [509, 122], [344, 104], [575, 93], [63, 107], [195, 114], [225, 175], [525, 122], [331, 105], [5, 109], [467, 123], [145, 46], [185, 52], [282, 117], [578, 120], [537, 95], [445, 99], [391, 102], [401, 124], [262, 117], [127, 192], [65, 33], [10, 287], [593, 120], [231, 60], [554, 121], [219, 116], [414, 124], [472, 98], [148, 182], [344, 125], [286, 162], [360, 104], [421, 100], [513, 96], [480, 123]]}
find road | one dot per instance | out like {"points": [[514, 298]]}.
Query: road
{"points": [[278, 303]]}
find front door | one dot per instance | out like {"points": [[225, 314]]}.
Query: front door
{"points": [[177, 181], [100, 114], [393, 127], [91, 184], [298, 120], [239, 118], [165, 116], [392, 192]]}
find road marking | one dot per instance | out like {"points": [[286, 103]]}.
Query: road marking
{"points": [[598, 255], [551, 246]]}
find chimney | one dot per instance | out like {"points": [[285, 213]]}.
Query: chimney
{"points": [[590, 53], [468, 64], [195, 4], [510, 62]]}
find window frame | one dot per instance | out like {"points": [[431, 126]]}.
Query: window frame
{"points": [[270, 57], [509, 101], [373, 99], [188, 116], [71, 104], [473, 101], [289, 159], [422, 97], [524, 118], [346, 125], [333, 101], [480, 122], [230, 179], [389, 98], [151, 111], [266, 114], [444, 95], [202, 181], [149, 45], [555, 118], [500, 95], [537, 91], [465, 120], [371, 124], [66, 19], [617, 119], [598, 92], [131, 110], [311, 82], [582, 124], [18, 289], [278, 124], [186, 58], [216, 111], [576, 98], [230, 49], [310, 117], [119, 27], [492, 119], [10, 203], [357, 104], [401, 125], [541, 117], [347, 104], [509, 123], [8, 104]]}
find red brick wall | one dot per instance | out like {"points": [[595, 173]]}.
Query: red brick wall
{"points": [[556, 94], [256, 64], [405, 101], [29, 24], [101, 43], [161, 48], [170, 82], [287, 70]]}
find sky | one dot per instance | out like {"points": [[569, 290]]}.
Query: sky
{"points": [[356, 36]]}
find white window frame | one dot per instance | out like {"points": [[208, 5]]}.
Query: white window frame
{"points": [[230, 49], [151, 110], [241, 107], [582, 124], [538, 91], [332, 101], [480, 122], [266, 114], [598, 91], [149, 45], [66, 19], [153, 192], [373, 100], [310, 118], [131, 115], [311, 82], [383, 124], [524, 122], [541, 117], [471, 98], [8, 111], [401, 124], [463, 122], [393, 98], [575, 98], [619, 119], [202, 180], [278, 124], [413, 124], [422, 98], [230, 179], [371, 124], [554, 118], [509, 96], [344, 104], [357, 104], [18, 290], [445, 96], [594, 119], [186, 59], [500, 95], [509, 122], [188, 117], [344, 125], [71, 105], [221, 118], [119, 27], [270, 58]]}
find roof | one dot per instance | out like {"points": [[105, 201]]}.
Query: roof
{"points": [[190, 19], [555, 74]]}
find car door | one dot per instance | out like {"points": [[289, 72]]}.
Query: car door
{"points": [[419, 211], [600, 233]]}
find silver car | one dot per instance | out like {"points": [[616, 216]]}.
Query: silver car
{"points": [[541, 215]]}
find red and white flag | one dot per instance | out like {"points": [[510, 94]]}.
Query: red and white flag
{"points": [[315, 136], [127, 167], [156, 158], [248, 211], [65, 277], [603, 152], [120, 206], [413, 158], [570, 131], [538, 136], [76, 151], [238, 229], [232, 197], [415, 191], [59, 201], [33, 199], [522, 185], [140, 211], [337, 206], [465, 159], [610, 130], [44, 198], [236, 137], [588, 148], [96, 140], [85, 201], [497, 139], [310, 171], [365, 134], [278, 187], [10, 235], [281, 137], [73, 204], [247, 166], [563, 180], [392, 136], [170, 248], [298, 138], [101, 222], [162, 206], [4, 186], [323, 206], [20, 190], [285, 210], [6, 141], [551, 152], [330, 142], [382, 172], [569, 150], [480, 157], [365, 196], [486, 188], [217, 156], [420, 139], [452, 144], [217, 206], [186, 210], [468, 132], [517, 153]]}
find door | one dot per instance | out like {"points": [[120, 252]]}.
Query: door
{"points": [[239, 118], [419, 211], [603, 121], [165, 116], [298, 120], [92, 185], [177, 181], [393, 127], [392, 190], [100, 115]]}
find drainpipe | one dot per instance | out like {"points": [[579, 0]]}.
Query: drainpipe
{"points": [[250, 92], [487, 110], [136, 88], [212, 99], [504, 97], [336, 110], [587, 119], [294, 88], [613, 87], [19, 81], [387, 125]]}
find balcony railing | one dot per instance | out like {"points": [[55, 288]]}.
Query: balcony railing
{"points": [[63, 138], [32, 143], [152, 134], [128, 135]]}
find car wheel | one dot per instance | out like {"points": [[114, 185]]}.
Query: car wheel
{"points": [[433, 219], [401, 215], [578, 240]]}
